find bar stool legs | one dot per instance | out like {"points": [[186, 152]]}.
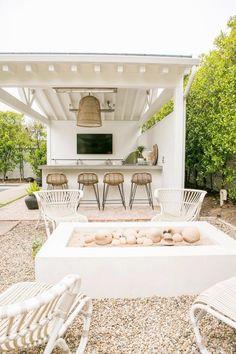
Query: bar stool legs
{"points": [[115, 180], [89, 179], [141, 179]]}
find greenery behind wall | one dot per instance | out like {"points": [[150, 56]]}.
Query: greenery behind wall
{"points": [[211, 117], [21, 143]]}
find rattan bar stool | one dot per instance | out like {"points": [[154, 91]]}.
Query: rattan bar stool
{"points": [[56, 181], [141, 179], [114, 180], [89, 179]]}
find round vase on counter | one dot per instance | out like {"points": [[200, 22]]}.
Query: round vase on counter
{"points": [[31, 202]]}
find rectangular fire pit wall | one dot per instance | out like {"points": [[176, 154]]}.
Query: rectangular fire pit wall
{"points": [[138, 271]]}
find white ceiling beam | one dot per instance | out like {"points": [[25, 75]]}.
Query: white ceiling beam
{"points": [[61, 105], [97, 68], [165, 70], [165, 96], [28, 68], [46, 98], [51, 68], [71, 105], [18, 105], [5, 68], [137, 95], [22, 94], [142, 69], [74, 68], [120, 68], [41, 105], [122, 116]]}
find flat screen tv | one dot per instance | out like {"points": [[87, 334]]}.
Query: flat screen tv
{"points": [[94, 143]]}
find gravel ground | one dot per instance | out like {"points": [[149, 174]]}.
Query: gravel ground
{"points": [[121, 326]]}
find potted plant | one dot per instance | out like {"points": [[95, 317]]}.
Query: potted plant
{"points": [[140, 149], [30, 199]]}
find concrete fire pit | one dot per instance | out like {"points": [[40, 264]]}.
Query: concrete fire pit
{"points": [[138, 270]]}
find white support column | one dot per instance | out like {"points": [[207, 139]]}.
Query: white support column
{"points": [[179, 136], [49, 157]]}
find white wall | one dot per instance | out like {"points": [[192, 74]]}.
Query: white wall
{"points": [[15, 174], [62, 139], [162, 134]]}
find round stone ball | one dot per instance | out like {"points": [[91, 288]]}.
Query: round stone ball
{"points": [[115, 242], [177, 237], [191, 234], [155, 235], [131, 240], [103, 237], [89, 238], [147, 241], [123, 240]]}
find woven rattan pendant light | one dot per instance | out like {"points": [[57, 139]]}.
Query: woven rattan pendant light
{"points": [[89, 114]]}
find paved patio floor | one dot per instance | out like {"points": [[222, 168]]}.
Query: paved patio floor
{"points": [[18, 211]]}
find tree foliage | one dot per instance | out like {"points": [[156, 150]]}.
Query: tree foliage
{"points": [[162, 113], [14, 141], [19, 143], [38, 151], [211, 113]]}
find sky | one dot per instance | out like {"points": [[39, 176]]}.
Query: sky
{"points": [[113, 26], [186, 27]]}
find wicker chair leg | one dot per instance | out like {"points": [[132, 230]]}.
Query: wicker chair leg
{"points": [[86, 325], [195, 324], [61, 343]]}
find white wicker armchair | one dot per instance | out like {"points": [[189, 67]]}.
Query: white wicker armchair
{"points": [[34, 314], [220, 302], [178, 204], [59, 205]]}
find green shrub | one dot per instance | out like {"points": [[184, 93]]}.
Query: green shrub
{"points": [[232, 194], [37, 244], [33, 187]]}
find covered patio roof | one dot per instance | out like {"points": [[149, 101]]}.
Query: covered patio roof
{"points": [[143, 82]]}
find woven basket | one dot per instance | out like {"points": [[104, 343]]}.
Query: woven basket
{"points": [[89, 114]]}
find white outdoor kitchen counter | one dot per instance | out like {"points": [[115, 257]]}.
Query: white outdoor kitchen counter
{"points": [[101, 167], [72, 171]]}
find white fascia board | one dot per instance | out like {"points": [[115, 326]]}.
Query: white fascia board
{"points": [[97, 58]]}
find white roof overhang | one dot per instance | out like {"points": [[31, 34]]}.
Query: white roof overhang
{"points": [[143, 82]]}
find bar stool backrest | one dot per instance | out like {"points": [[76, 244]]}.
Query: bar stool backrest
{"points": [[87, 178], [113, 178], [56, 179], [142, 178]]}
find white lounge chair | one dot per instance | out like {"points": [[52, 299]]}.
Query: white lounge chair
{"points": [[178, 204], [59, 205], [220, 302], [34, 314]]}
